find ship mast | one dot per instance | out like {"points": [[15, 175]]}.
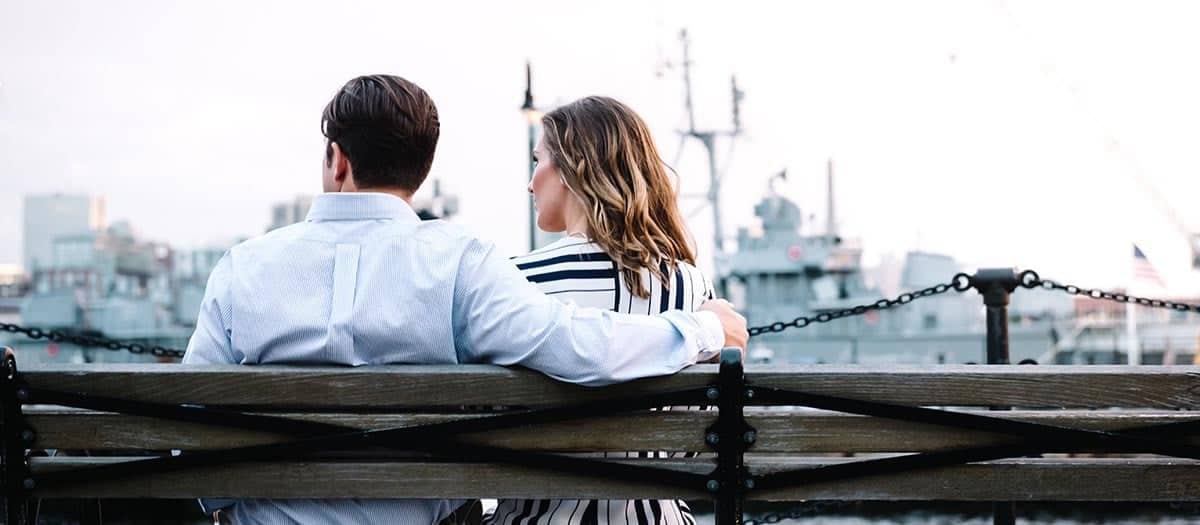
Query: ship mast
{"points": [[708, 138], [831, 230]]}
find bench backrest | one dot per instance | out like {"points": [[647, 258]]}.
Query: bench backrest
{"points": [[1106, 398]]}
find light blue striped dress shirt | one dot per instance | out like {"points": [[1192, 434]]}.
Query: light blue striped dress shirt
{"points": [[363, 281]]}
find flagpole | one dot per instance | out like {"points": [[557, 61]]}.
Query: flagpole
{"points": [[1132, 349]]}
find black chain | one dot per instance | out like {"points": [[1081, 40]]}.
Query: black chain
{"points": [[960, 283], [88, 341], [1030, 279]]}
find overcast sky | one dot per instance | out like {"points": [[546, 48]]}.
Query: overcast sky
{"points": [[1027, 133]]}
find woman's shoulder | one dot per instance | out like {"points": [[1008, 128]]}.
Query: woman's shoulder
{"points": [[572, 270], [565, 250]]}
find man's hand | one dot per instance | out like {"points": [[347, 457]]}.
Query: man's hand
{"points": [[732, 322]]}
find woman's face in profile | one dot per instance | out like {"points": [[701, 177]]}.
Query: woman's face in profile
{"points": [[550, 194]]}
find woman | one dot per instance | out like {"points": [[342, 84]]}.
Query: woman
{"points": [[599, 179]]}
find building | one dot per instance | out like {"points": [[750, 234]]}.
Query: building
{"points": [[289, 212], [109, 282], [189, 276], [14, 285], [14, 282], [47, 217], [106, 282]]}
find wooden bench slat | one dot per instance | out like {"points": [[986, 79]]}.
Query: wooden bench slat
{"points": [[828, 432], [346, 479], [408, 386], [66, 429], [1026, 479], [1053, 386], [429, 386], [778, 432], [1133, 479]]}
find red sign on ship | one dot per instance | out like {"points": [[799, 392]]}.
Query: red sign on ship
{"points": [[795, 253]]}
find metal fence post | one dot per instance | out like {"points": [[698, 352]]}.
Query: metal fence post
{"points": [[730, 436], [995, 284]]}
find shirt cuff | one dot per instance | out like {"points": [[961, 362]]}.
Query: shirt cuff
{"points": [[712, 336]]}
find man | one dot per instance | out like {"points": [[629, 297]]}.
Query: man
{"points": [[363, 281]]}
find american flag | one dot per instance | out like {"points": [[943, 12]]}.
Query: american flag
{"points": [[1143, 271]]}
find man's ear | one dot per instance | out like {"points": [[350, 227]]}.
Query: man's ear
{"points": [[339, 164]]}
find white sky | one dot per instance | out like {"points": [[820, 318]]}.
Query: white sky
{"points": [[1003, 133]]}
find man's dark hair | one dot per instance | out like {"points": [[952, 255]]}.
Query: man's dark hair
{"points": [[388, 129]]}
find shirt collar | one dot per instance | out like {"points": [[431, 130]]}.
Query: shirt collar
{"points": [[346, 206]]}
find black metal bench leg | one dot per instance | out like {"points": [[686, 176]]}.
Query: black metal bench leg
{"points": [[730, 436], [1004, 513], [13, 437]]}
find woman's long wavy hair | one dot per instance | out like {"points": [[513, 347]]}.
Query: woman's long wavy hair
{"points": [[608, 160]]}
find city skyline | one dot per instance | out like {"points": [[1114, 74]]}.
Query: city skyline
{"points": [[1002, 133]]}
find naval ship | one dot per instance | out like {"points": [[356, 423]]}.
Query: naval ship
{"points": [[778, 274]]}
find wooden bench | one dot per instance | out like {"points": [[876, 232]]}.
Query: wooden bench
{"points": [[751, 447]]}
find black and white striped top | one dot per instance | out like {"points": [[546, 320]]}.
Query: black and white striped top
{"points": [[579, 271]]}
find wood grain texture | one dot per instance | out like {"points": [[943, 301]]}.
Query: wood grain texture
{"points": [[1132, 479], [449, 386], [397, 396], [79, 430], [409, 386], [1055, 386], [797, 432]]}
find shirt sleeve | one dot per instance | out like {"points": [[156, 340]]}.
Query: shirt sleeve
{"points": [[212, 343], [501, 318]]}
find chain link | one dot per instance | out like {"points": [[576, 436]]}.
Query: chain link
{"points": [[1030, 279], [960, 283], [87, 341]]}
